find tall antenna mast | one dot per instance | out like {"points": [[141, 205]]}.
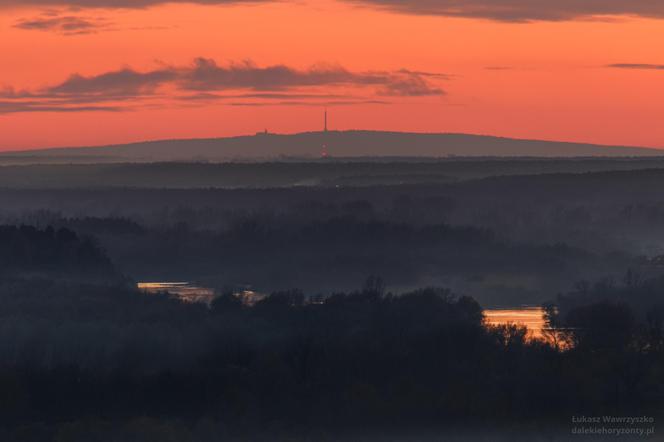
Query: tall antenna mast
{"points": [[323, 153]]}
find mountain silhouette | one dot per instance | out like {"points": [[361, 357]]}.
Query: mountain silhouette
{"points": [[346, 144]]}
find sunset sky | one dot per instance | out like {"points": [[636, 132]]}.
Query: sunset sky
{"points": [[94, 72]]}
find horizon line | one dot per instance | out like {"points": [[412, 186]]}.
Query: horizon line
{"points": [[329, 131]]}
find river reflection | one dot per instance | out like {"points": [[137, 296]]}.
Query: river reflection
{"points": [[530, 317], [182, 290], [188, 292]]}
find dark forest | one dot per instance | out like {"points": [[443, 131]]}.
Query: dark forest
{"points": [[371, 324]]}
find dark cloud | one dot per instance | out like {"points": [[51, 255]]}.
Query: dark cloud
{"points": [[654, 67], [523, 10], [122, 83], [128, 4], [13, 107], [308, 103], [206, 75], [205, 81], [66, 24], [411, 86], [425, 74], [262, 95], [500, 10]]}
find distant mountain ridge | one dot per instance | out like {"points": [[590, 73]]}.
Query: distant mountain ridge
{"points": [[346, 144]]}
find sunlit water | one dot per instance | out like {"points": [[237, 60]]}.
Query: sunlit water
{"points": [[188, 292], [530, 317], [182, 290]]}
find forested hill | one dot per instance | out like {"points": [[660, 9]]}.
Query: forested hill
{"points": [[339, 144], [27, 252]]}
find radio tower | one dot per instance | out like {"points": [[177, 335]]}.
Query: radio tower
{"points": [[324, 153]]}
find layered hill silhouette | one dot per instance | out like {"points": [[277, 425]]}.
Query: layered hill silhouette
{"points": [[346, 144]]}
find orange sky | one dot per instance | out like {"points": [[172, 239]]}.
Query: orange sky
{"points": [[552, 83]]}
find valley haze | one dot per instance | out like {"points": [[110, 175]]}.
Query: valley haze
{"points": [[331, 220]]}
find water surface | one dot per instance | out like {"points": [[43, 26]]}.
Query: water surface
{"points": [[184, 291], [530, 317]]}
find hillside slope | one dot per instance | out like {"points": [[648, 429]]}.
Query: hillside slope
{"points": [[309, 145]]}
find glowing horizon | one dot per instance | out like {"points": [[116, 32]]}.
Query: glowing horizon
{"points": [[78, 73]]}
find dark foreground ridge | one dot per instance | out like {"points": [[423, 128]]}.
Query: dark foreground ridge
{"points": [[101, 361]]}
